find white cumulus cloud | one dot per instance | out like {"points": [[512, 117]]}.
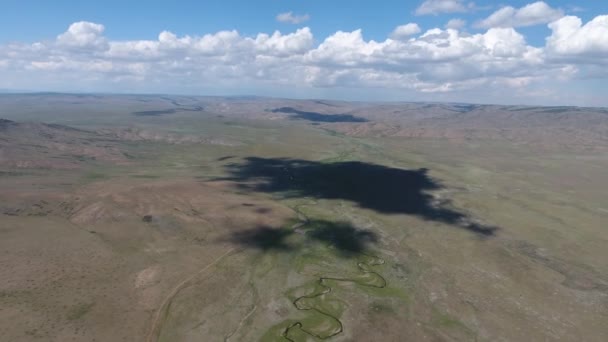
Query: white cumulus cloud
{"points": [[405, 31], [443, 6], [571, 38], [532, 14], [82, 34], [289, 17], [284, 45], [456, 24]]}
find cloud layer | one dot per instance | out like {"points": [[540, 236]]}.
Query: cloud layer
{"points": [[410, 60]]}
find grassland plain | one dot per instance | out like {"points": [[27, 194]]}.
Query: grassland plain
{"points": [[242, 219]]}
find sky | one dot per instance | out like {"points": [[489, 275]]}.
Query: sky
{"points": [[511, 52]]}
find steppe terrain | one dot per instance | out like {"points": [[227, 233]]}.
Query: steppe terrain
{"points": [[176, 218]]}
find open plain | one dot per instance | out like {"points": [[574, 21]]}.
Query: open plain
{"points": [[176, 218]]}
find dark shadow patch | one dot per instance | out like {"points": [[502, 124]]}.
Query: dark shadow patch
{"points": [[224, 158], [345, 238], [263, 238], [318, 117], [5, 124], [154, 112], [263, 210], [12, 173], [377, 187], [67, 128], [167, 111], [463, 107], [558, 110], [325, 103]]}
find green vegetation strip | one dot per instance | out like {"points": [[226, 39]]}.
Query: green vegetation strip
{"points": [[370, 279], [331, 325]]}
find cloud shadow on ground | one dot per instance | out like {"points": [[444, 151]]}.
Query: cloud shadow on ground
{"points": [[380, 188], [346, 239], [318, 117]]}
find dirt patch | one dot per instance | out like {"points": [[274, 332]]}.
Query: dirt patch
{"points": [[147, 277]]}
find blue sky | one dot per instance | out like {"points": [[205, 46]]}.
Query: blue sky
{"points": [[407, 66], [23, 20]]}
